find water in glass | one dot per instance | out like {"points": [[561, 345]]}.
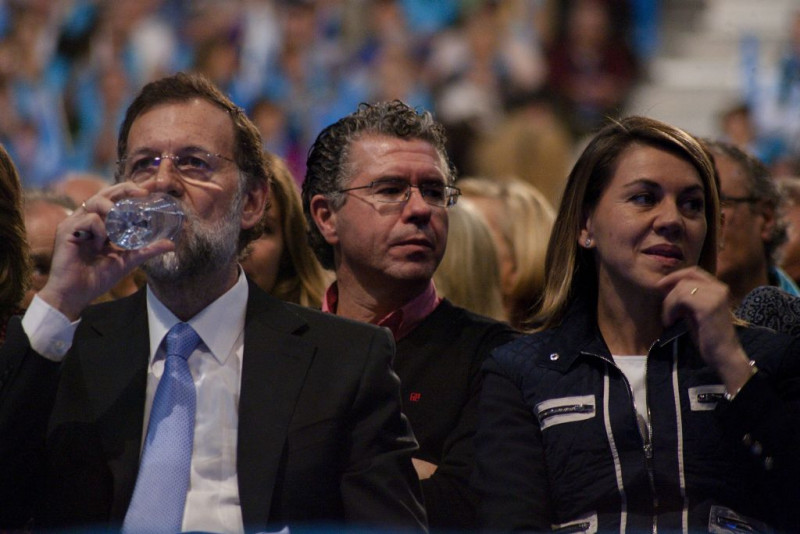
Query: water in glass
{"points": [[136, 222]]}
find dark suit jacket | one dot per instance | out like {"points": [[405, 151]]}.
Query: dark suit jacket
{"points": [[321, 433]]}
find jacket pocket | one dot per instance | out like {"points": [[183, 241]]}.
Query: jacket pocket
{"points": [[722, 520], [565, 410], [585, 525], [704, 398]]}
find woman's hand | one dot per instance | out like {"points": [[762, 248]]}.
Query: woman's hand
{"points": [[703, 301]]}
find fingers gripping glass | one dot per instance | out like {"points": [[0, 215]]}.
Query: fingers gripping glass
{"points": [[396, 191], [192, 165]]}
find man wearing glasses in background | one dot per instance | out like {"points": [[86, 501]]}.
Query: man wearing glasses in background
{"points": [[200, 403], [377, 188], [753, 228]]}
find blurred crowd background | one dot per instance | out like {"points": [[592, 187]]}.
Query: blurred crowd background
{"points": [[518, 83]]}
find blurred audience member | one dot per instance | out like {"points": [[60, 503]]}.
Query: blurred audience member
{"points": [[469, 274], [43, 212], [775, 94], [14, 259], [277, 136], [520, 219], [592, 68], [753, 226], [532, 143], [790, 252], [739, 129], [280, 261], [79, 186], [33, 127], [477, 67]]}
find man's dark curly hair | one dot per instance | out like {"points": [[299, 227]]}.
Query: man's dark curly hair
{"points": [[182, 87], [327, 167]]}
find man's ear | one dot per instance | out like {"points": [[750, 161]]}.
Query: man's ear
{"points": [[255, 202], [324, 217]]}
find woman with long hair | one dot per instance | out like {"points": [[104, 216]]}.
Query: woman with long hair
{"points": [[639, 403], [281, 261], [15, 270]]}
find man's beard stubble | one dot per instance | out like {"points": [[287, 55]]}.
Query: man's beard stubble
{"points": [[202, 247]]}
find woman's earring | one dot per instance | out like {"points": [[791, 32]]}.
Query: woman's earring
{"points": [[588, 242]]}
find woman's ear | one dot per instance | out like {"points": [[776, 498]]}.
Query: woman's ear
{"points": [[586, 235]]}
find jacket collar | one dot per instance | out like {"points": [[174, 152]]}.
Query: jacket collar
{"points": [[578, 334]]}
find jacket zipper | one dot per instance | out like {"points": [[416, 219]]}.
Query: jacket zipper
{"points": [[646, 434], [648, 442]]}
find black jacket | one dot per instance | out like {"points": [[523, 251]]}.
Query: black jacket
{"points": [[321, 436], [558, 443]]}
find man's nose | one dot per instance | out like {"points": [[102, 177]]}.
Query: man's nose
{"points": [[416, 206], [166, 177]]}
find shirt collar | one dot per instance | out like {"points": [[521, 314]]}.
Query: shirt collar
{"points": [[218, 324], [400, 321]]}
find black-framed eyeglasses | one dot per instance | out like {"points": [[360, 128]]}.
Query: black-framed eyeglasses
{"points": [[727, 200], [392, 191], [192, 165]]}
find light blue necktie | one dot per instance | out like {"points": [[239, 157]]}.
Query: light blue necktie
{"points": [[160, 493]]}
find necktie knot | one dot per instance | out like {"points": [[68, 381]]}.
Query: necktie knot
{"points": [[181, 340]]}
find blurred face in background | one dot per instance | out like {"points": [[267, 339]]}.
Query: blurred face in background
{"points": [[746, 227], [41, 220], [263, 262]]}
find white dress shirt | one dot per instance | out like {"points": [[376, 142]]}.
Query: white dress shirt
{"points": [[212, 503]]}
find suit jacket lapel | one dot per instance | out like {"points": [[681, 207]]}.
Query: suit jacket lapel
{"points": [[276, 360], [115, 369]]}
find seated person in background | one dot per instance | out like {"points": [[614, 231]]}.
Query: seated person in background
{"points": [[280, 261], [773, 308], [469, 274], [376, 194], [638, 405], [753, 226], [43, 212], [79, 186], [790, 251], [520, 218], [15, 268]]}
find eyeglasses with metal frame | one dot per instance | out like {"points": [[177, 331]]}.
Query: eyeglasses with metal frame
{"points": [[395, 191], [194, 165], [726, 200]]}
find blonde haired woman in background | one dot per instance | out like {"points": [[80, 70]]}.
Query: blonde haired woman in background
{"points": [[469, 274], [521, 219], [280, 261]]}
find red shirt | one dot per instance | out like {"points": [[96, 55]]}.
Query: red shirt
{"points": [[400, 321]]}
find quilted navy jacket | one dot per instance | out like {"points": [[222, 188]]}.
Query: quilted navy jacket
{"points": [[559, 445]]}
